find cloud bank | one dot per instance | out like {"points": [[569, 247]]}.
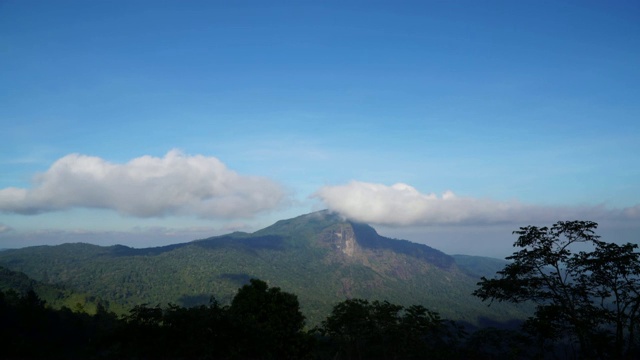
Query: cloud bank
{"points": [[403, 205], [176, 184]]}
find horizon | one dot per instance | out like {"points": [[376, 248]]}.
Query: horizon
{"points": [[448, 124]]}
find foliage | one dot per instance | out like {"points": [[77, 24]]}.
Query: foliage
{"points": [[269, 322], [261, 323], [29, 329], [358, 329], [54, 295], [586, 291], [493, 343]]}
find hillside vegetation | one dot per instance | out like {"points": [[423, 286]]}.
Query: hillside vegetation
{"points": [[320, 257], [261, 322]]}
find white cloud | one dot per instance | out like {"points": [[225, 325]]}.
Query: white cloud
{"points": [[176, 184], [631, 212], [402, 205], [4, 228]]}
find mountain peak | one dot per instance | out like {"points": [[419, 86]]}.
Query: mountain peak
{"points": [[354, 240], [312, 222]]}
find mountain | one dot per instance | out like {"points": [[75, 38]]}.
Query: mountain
{"points": [[320, 257]]}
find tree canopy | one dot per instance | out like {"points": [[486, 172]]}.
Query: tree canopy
{"points": [[586, 291], [359, 329]]}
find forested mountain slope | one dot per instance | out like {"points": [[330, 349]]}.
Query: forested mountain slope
{"points": [[320, 257], [54, 296]]}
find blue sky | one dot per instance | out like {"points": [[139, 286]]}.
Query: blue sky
{"points": [[449, 123]]}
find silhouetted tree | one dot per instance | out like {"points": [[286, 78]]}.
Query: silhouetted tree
{"points": [[141, 334], [199, 332], [586, 291], [426, 332], [269, 323], [349, 328], [358, 329], [29, 329], [492, 343]]}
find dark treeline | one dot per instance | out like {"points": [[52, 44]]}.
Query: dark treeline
{"points": [[261, 322]]}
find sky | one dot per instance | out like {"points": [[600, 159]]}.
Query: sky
{"points": [[448, 123]]}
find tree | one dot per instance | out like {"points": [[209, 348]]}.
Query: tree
{"points": [[586, 291], [141, 331], [269, 323], [201, 332], [350, 328], [359, 329]]}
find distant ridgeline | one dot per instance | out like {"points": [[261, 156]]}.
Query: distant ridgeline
{"points": [[320, 257]]}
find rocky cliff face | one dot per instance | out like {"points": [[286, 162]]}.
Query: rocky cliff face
{"points": [[359, 243], [340, 238]]}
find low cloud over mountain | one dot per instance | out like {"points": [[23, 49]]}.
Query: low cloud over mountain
{"points": [[176, 184], [402, 205]]}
